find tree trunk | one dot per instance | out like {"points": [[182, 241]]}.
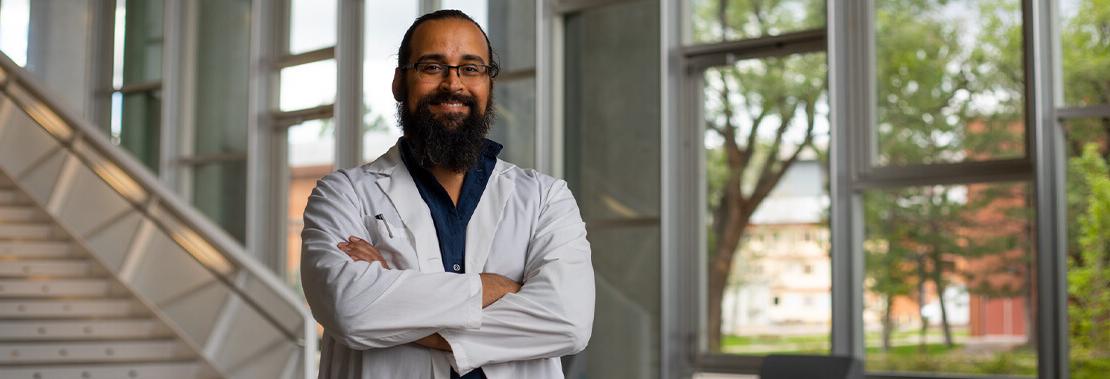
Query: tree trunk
{"points": [[888, 323], [729, 224], [943, 314], [921, 303]]}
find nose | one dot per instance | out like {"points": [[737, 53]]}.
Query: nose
{"points": [[452, 83]]}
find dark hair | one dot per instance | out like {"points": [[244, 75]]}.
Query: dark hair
{"points": [[406, 42]]}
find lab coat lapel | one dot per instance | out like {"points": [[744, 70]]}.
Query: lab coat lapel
{"points": [[401, 190], [487, 217]]}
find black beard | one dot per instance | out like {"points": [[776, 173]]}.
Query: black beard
{"points": [[454, 143]]}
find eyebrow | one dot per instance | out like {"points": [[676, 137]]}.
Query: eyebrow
{"points": [[441, 58]]}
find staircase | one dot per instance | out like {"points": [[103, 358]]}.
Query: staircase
{"points": [[62, 315], [105, 273]]}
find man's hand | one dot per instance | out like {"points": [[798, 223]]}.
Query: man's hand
{"points": [[360, 250], [495, 286], [434, 341]]}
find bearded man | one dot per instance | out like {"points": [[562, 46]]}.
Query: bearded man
{"points": [[438, 259]]}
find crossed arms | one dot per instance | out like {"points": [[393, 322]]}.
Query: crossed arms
{"points": [[481, 318], [493, 286]]}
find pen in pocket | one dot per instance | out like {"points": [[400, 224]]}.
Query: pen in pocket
{"points": [[387, 228]]}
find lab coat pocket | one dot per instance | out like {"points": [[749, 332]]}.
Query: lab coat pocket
{"points": [[392, 241]]}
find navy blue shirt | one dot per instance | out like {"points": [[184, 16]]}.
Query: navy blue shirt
{"points": [[450, 219]]}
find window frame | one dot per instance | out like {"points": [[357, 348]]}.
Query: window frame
{"points": [[851, 62]]}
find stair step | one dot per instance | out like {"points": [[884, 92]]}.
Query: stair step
{"points": [[64, 330], [11, 196], [93, 351], [47, 267], [159, 370], [26, 231], [24, 288], [70, 308], [19, 213], [35, 249]]}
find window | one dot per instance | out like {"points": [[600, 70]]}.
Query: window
{"points": [[1085, 123], [765, 139], [14, 18], [386, 23], [949, 269], [312, 25], [950, 79], [304, 116], [764, 127], [310, 156], [137, 79], [1088, 191], [751, 19]]}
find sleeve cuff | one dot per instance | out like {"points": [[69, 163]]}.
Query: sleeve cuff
{"points": [[458, 358], [474, 304]]}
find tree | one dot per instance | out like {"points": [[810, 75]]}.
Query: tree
{"points": [[752, 106]]}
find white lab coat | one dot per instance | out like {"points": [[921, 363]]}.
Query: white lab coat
{"points": [[526, 227]]}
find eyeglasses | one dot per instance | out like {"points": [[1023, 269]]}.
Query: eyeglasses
{"points": [[469, 73]]}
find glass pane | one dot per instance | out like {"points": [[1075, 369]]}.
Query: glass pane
{"points": [[724, 20], [386, 23], [766, 144], [313, 24], [949, 81], [612, 164], [308, 85], [310, 156], [221, 82], [1085, 51], [515, 127], [142, 41], [220, 192], [117, 43], [1088, 191], [950, 280], [512, 31], [141, 125], [14, 18]]}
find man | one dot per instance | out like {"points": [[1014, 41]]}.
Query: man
{"points": [[438, 259]]}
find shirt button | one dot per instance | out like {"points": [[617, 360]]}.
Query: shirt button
{"points": [[457, 267]]}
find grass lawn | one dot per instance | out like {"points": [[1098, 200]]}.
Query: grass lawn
{"points": [[905, 356]]}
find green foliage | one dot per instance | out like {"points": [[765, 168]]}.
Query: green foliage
{"points": [[1085, 54], [1089, 262]]}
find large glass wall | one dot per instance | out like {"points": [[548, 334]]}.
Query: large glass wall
{"points": [[219, 141], [139, 91], [765, 128], [949, 269], [950, 279], [306, 98], [386, 23], [612, 165], [949, 80], [766, 140], [1085, 64]]}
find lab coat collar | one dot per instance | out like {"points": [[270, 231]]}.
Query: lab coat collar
{"points": [[399, 186]]}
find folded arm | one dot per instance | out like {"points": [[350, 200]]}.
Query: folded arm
{"points": [[363, 304], [552, 314]]}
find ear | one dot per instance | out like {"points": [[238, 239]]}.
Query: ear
{"points": [[398, 81]]}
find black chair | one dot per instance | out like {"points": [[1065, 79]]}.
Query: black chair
{"points": [[784, 366]]}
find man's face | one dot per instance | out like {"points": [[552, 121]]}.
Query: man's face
{"points": [[453, 42], [445, 117]]}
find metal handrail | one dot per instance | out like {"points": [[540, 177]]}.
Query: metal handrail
{"points": [[155, 190]]}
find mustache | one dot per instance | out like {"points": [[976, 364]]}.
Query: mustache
{"points": [[447, 97]]}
